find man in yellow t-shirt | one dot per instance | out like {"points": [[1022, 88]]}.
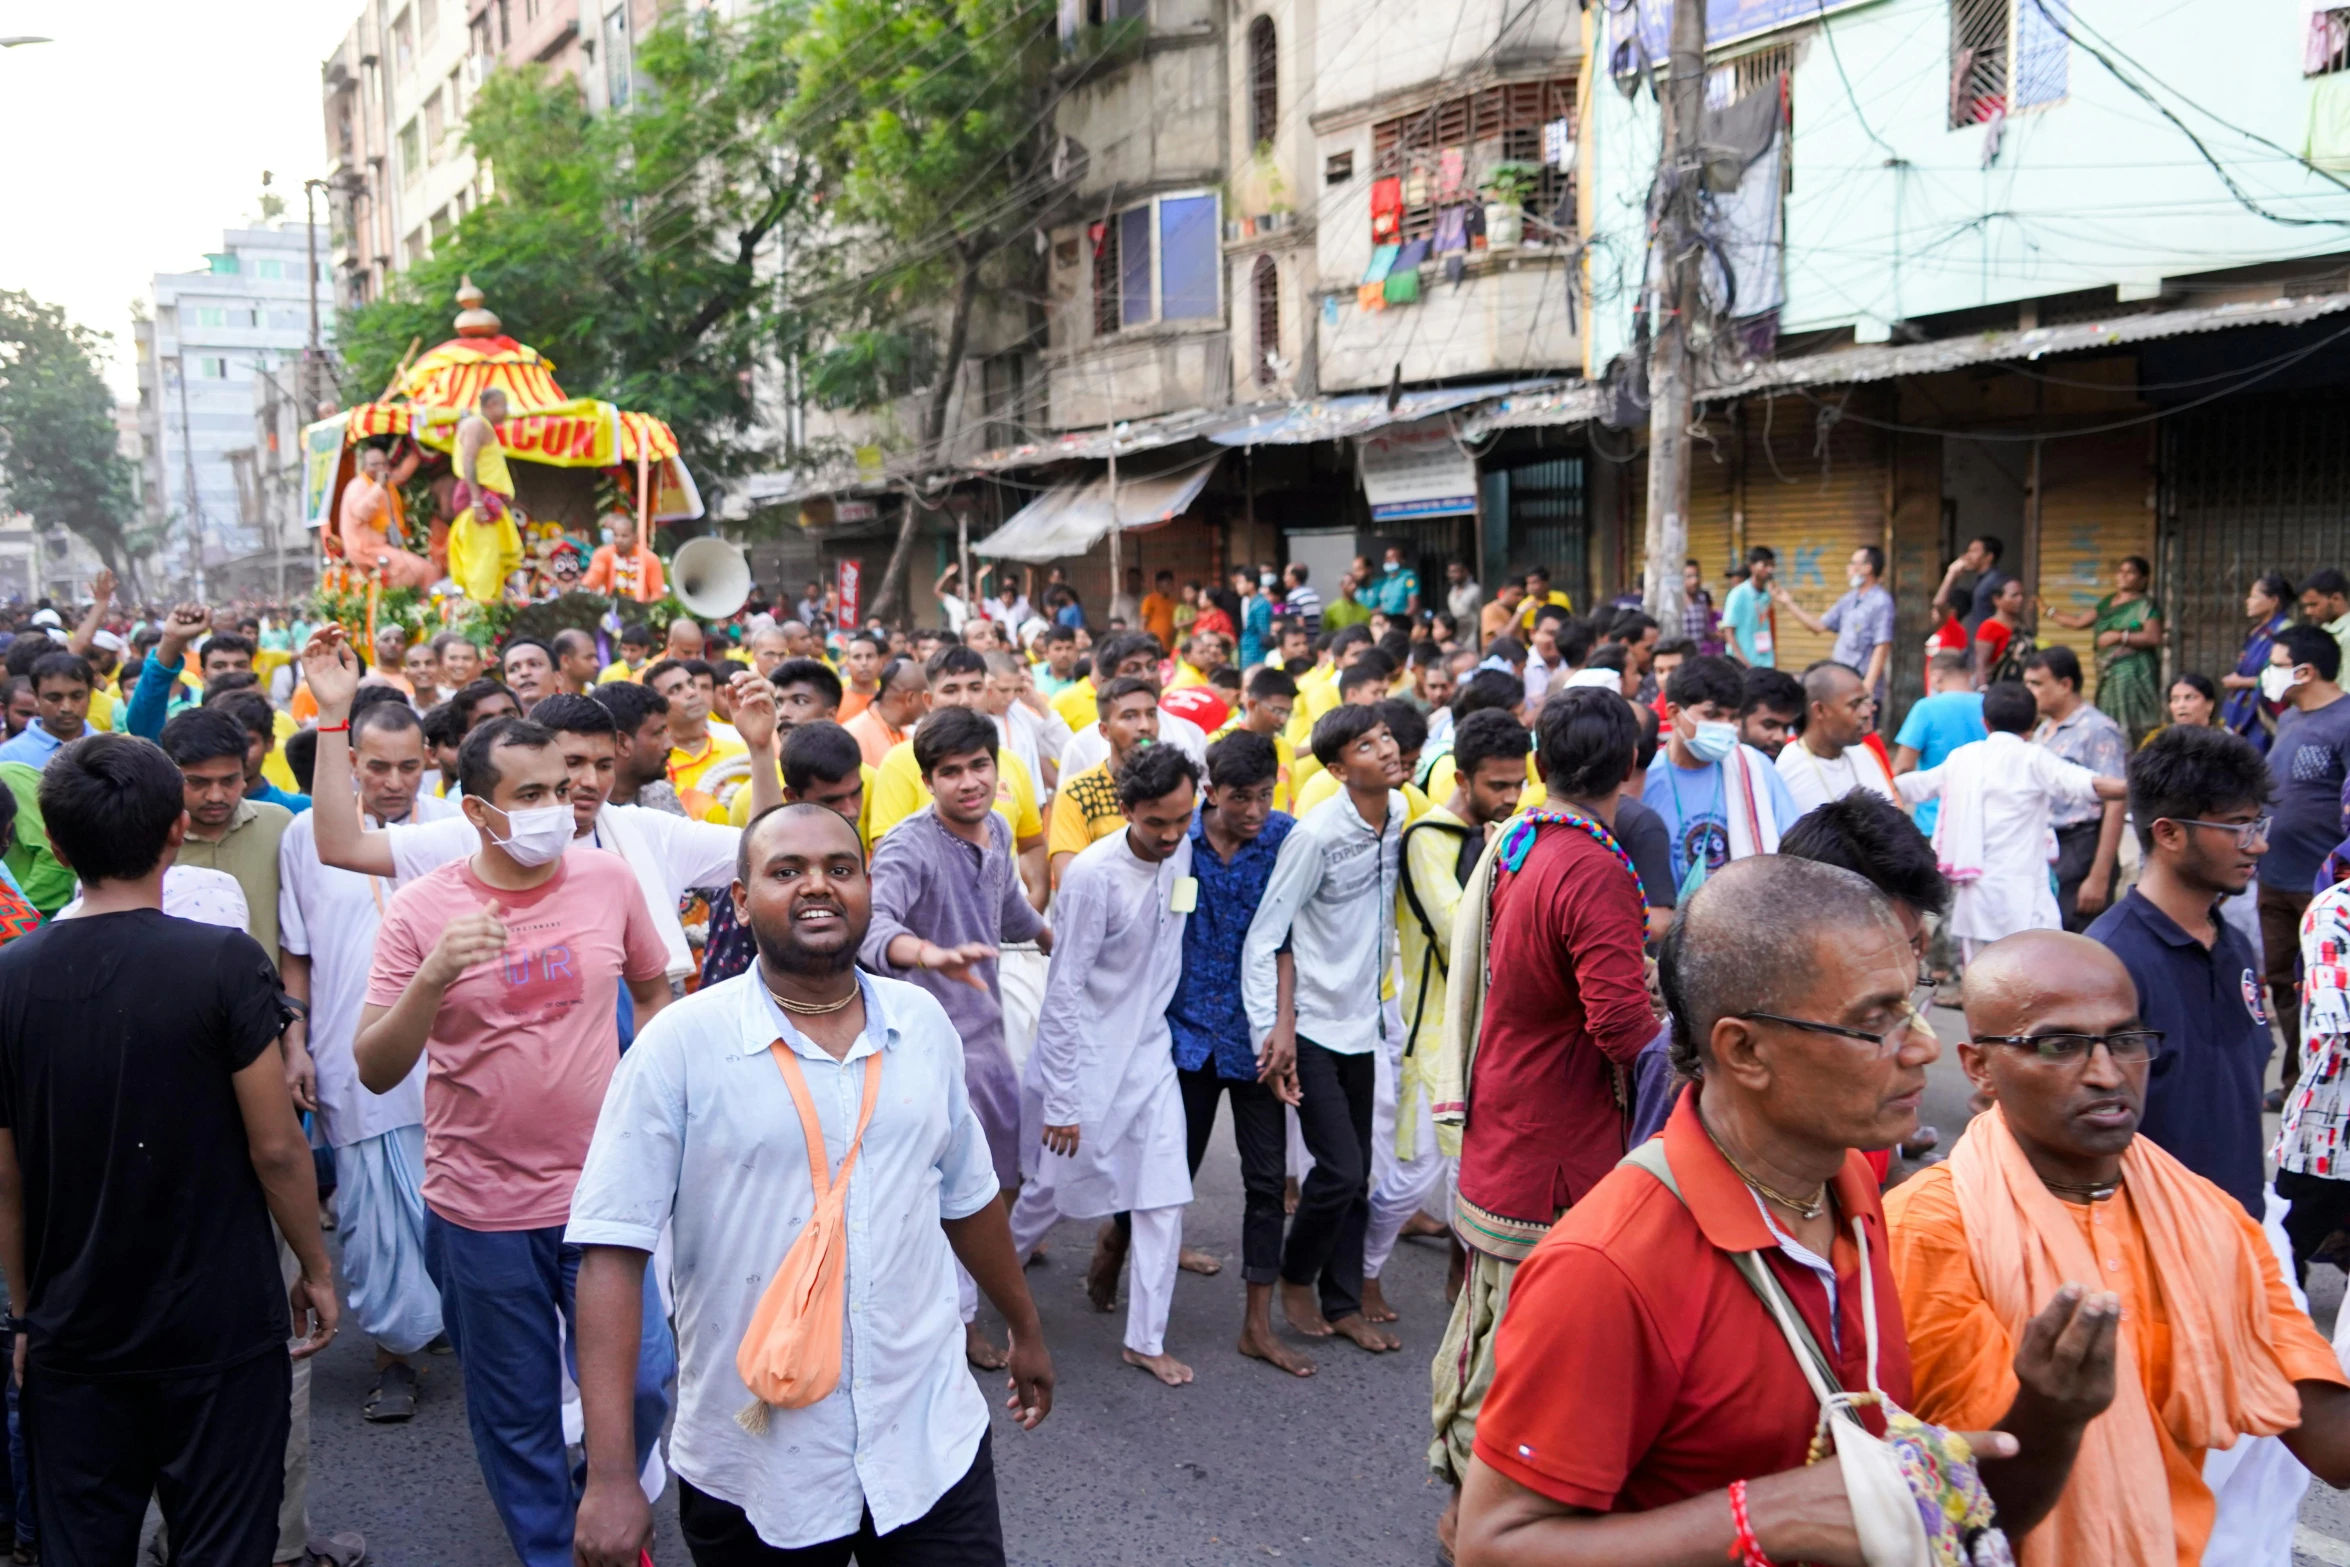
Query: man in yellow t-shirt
{"points": [[1539, 596], [636, 646], [1086, 808], [698, 744]]}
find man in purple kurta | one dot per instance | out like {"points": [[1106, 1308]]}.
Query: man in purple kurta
{"points": [[946, 896]]}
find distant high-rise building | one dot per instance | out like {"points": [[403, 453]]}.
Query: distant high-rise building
{"points": [[206, 336]]}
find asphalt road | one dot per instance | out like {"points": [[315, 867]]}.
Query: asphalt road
{"points": [[1244, 1465]]}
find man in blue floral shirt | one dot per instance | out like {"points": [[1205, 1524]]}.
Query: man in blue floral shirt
{"points": [[1235, 841]]}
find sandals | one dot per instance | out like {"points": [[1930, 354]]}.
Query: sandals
{"points": [[393, 1397]]}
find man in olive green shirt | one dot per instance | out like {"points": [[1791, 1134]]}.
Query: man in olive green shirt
{"points": [[226, 831]]}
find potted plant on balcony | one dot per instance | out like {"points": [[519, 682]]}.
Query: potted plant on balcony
{"points": [[1507, 189]]}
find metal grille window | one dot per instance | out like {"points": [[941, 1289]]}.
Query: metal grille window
{"points": [[1496, 125], [2006, 55], [1265, 284], [2327, 49], [1264, 82]]}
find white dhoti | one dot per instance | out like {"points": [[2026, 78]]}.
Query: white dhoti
{"points": [[380, 1181], [1399, 1187]]}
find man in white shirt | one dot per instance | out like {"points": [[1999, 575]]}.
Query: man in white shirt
{"points": [[1331, 905], [1830, 758], [701, 1127], [326, 925], [670, 855], [1992, 837], [1101, 1085]]}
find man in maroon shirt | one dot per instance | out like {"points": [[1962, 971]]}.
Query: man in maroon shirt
{"points": [[1566, 1015]]}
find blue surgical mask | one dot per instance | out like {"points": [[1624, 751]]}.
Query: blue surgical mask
{"points": [[1713, 741], [1267, 580], [1393, 565]]}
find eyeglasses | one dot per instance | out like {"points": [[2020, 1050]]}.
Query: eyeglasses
{"points": [[2128, 1047], [1887, 1040], [2247, 833]]}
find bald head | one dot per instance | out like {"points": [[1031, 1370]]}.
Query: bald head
{"points": [[2073, 1112], [1837, 708], [1754, 938]]}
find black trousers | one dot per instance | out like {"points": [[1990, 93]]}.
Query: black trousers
{"points": [[211, 1450], [962, 1529], [1261, 1132], [2076, 855], [1334, 1205], [2320, 1207]]}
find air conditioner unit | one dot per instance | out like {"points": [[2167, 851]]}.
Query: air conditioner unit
{"points": [[478, 68]]}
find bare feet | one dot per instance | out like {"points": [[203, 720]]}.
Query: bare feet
{"points": [[1037, 1258], [1289, 1195], [1422, 1225], [1448, 1529], [1303, 1309], [980, 1351], [1456, 1271], [1192, 1260], [1375, 1307], [1258, 1343], [1377, 1340], [1166, 1368], [1101, 1275]]}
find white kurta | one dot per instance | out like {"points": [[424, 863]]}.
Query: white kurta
{"points": [[1104, 1061], [1992, 835], [1814, 780]]}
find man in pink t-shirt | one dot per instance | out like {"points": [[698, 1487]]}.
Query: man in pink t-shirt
{"points": [[503, 971]]}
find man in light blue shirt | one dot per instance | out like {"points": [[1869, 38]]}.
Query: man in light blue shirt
{"points": [[703, 1126], [1712, 814], [1939, 725], [1861, 621], [1750, 626], [61, 687]]}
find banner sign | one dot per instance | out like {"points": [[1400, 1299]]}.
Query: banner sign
{"points": [[1416, 470], [1639, 31], [322, 454], [851, 604]]}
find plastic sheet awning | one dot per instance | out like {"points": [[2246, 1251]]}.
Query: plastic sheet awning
{"points": [[1069, 519]]}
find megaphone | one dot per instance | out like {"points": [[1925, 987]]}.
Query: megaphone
{"points": [[713, 578]]}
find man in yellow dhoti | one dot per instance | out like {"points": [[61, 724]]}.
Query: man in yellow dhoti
{"points": [[484, 544], [371, 518]]}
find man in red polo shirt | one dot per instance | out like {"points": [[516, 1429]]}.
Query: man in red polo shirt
{"points": [[1637, 1375], [1566, 1012]]}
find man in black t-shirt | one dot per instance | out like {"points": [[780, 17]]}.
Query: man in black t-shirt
{"points": [[146, 1143]]}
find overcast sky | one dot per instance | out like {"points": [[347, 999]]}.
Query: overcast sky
{"points": [[133, 139]]}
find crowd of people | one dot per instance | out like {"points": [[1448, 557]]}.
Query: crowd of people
{"points": [[558, 980]]}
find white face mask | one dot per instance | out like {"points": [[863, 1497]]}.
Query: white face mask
{"points": [[2275, 681], [537, 836], [1853, 579]]}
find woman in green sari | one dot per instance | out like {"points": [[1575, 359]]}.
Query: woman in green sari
{"points": [[2127, 625]]}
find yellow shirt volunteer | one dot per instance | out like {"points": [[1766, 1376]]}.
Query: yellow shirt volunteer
{"points": [[688, 768], [616, 670], [1085, 811], [1529, 608], [1078, 706], [896, 791], [1317, 693], [1324, 783]]}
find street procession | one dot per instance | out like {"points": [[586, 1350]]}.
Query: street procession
{"points": [[998, 784]]}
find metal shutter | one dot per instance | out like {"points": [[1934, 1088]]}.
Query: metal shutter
{"points": [[2096, 505], [1816, 490]]}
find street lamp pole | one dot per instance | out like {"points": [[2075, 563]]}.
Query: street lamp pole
{"points": [[178, 365], [308, 391]]}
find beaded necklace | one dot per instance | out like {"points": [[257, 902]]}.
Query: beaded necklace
{"points": [[1520, 838]]}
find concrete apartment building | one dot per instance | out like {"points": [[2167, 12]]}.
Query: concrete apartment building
{"points": [[205, 338]]}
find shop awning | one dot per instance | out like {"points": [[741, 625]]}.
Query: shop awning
{"points": [[1070, 519], [1333, 418]]}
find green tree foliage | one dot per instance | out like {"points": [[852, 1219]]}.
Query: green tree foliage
{"points": [[639, 251], [58, 459], [931, 119]]}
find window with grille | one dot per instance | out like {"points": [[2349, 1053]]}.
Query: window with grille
{"points": [[2327, 49], [1264, 95], [1265, 284], [2007, 55], [1496, 125]]}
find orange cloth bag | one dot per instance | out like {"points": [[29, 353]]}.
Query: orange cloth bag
{"points": [[790, 1354]]}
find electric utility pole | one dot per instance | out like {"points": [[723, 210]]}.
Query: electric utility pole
{"points": [[1681, 103]]}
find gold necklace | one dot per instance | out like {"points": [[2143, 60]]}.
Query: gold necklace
{"points": [[1810, 1208], [818, 1009], [2096, 1192]]}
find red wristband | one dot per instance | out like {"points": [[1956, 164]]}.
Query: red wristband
{"points": [[1744, 1550], [342, 728]]}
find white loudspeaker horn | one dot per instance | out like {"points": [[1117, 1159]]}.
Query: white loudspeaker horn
{"points": [[712, 577]]}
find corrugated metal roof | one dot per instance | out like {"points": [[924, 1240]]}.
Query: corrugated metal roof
{"points": [[1887, 361]]}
